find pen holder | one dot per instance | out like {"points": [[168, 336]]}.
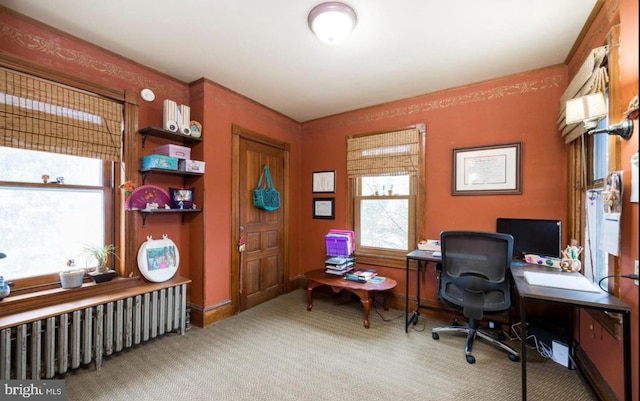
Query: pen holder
{"points": [[570, 265]]}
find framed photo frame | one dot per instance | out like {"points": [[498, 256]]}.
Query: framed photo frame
{"points": [[323, 181], [487, 170], [324, 208], [181, 198]]}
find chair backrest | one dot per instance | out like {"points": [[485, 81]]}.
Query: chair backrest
{"points": [[475, 262], [486, 254]]}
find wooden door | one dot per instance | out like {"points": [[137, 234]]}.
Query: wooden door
{"points": [[261, 264]]}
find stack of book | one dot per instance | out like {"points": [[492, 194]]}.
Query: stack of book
{"points": [[361, 275], [339, 265]]}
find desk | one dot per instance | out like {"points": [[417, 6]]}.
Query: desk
{"points": [[587, 300], [318, 277], [421, 258], [582, 299]]}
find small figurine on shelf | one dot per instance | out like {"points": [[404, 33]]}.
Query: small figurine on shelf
{"points": [[45, 178], [181, 205]]}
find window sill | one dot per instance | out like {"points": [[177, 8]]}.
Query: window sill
{"points": [[55, 296], [381, 260]]}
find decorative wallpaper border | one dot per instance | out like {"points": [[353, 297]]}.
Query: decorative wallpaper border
{"points": [[499, 92], [53, 48], [69, 56]]}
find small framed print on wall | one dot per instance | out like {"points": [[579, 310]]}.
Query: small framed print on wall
{"points": [[323, 208], [324, 181]]}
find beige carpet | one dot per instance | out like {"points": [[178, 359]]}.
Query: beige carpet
{"points": [[280, 351]]}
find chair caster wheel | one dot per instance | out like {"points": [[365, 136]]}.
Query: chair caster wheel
{"points": [[514, 358], [470, 359], [435, 336]]}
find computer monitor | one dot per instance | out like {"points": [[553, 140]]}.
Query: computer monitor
{"points": [[532, 236]]}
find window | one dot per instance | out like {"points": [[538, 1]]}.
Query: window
{"points": [[60, 145], [43, 225], [595, 259], [383, 213], [385, 171], [590, 164]]}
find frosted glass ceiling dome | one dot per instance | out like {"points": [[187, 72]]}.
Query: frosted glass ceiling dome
{"points": [[332, 21]]}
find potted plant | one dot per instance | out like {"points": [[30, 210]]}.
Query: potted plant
{"points": [[101, 255]]}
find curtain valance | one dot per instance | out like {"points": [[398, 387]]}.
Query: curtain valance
{"points": [[37, 114], [390, 153]]}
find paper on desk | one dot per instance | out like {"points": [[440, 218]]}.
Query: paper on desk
{"points": [[576, 282]]}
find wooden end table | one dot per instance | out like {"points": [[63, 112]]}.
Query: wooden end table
{"points": [[318, 277]]}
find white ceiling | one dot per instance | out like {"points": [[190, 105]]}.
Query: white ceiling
{"points": [[264, 50]]}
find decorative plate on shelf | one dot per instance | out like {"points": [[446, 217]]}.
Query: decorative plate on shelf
{"points": [[196, 129], [147, 194], [158, 260]]}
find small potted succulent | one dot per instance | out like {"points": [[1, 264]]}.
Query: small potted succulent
{"points": [[101, 255]]}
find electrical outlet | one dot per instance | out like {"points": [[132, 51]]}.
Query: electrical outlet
{"points": [[635, 270]]}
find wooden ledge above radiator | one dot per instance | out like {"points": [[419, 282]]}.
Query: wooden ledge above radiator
{"points": [[20, 309]]}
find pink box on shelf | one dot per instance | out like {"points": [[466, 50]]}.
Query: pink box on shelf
{"points": [[179, 152]]}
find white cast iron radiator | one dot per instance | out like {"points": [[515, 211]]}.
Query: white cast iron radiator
{"points": [[45, 348]]}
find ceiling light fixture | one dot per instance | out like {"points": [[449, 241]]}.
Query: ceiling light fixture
{"points": [[332, 21]]}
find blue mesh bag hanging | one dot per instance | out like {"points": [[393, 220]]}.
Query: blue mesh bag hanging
{"points": [[264, 195]]}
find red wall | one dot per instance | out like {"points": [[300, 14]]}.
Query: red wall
{"points": [[519, 108], [203, 241], [219, 108]]}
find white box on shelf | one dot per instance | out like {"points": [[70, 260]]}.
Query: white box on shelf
{"points": [[180, 152], [192, 166]]}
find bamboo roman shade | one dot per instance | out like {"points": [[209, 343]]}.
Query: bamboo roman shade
{"points": [[390, 153], [37, 114], [592, 77]]}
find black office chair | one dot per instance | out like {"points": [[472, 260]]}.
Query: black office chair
{"points": [[474, 278]]}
